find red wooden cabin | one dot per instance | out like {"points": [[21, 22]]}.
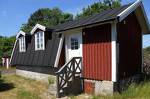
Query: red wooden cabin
{"points": [[99, 50]]}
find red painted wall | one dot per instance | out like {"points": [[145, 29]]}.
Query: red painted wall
{"points": [[97, 52], [130, 46], [62, 57]]}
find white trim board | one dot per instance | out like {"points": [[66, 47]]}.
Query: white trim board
{"points": [[20, 33], [13, 51], [129, 10], [38, 26], [143, 20], [113, 52], [59, 51]]}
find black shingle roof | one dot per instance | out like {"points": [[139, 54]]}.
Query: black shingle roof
{"points": [[97, 18], [37, 58]]}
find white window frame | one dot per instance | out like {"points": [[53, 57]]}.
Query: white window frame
{"points": [[74, 41], [22, 44], [41, 43]]}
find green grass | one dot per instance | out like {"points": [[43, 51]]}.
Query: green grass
{"points": [[51, 80], [4, 68], [135, 91], [21, 88], [24, 94]]}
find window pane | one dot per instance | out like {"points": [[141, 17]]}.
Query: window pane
{"points": [[38, 46], [74, 43], [76, 47], [41, 34], [37, 35]]}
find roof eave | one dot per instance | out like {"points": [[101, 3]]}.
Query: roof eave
{"points": [[129, 10], [132, 8], [101, 22]]}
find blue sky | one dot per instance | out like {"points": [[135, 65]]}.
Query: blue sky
{"points": [[13, 13]]}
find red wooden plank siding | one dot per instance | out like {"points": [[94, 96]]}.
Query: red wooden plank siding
{"points": [[97, 52], [130, 47], [62, 57]]}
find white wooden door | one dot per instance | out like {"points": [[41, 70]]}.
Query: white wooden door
{"points": [[73, 45]]}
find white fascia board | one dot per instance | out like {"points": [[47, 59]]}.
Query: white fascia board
{"points": [[129, 10], [20, 32], [13, 51], [113, 52], [38, 26]]}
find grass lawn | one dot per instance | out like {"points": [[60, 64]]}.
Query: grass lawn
{"points": [[16, 87], [4, 68], [141, 91]]}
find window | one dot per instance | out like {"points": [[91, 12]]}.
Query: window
{"points": [[39, 41], [74, 44], [22, 44]]}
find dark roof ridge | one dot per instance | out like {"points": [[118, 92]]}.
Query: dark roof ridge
{"points": [[98, 17]]}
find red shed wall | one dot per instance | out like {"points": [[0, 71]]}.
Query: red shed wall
{"points": [[62, 57], [97, 52], [130, 47]]}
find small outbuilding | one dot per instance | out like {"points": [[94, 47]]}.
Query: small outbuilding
{"points": [[6, 61]]}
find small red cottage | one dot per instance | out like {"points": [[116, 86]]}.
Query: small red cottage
{"points": [[6, 61], [87, 55]]}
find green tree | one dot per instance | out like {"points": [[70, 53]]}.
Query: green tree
{"points": [[6, 46], [47, 17], [98, 7]]}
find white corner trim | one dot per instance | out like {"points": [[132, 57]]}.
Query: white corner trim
{"points": [[38, 26], [59, 51], [129, 10], [20, 32], [13, 51], [113, 52]]}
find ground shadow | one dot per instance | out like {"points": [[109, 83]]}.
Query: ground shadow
{"points": [[5, 86]]}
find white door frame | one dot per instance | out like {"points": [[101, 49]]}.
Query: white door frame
{"points": [[68, 50]]}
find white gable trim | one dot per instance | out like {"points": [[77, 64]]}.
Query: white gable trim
{"points": [[113, 52], [13, 51], [38, 26], [59, 51], [129, 10], [20, 33]]}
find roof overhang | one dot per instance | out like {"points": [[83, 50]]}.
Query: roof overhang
{"points": [[138, 8], [20, 33], [38, 26]]}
